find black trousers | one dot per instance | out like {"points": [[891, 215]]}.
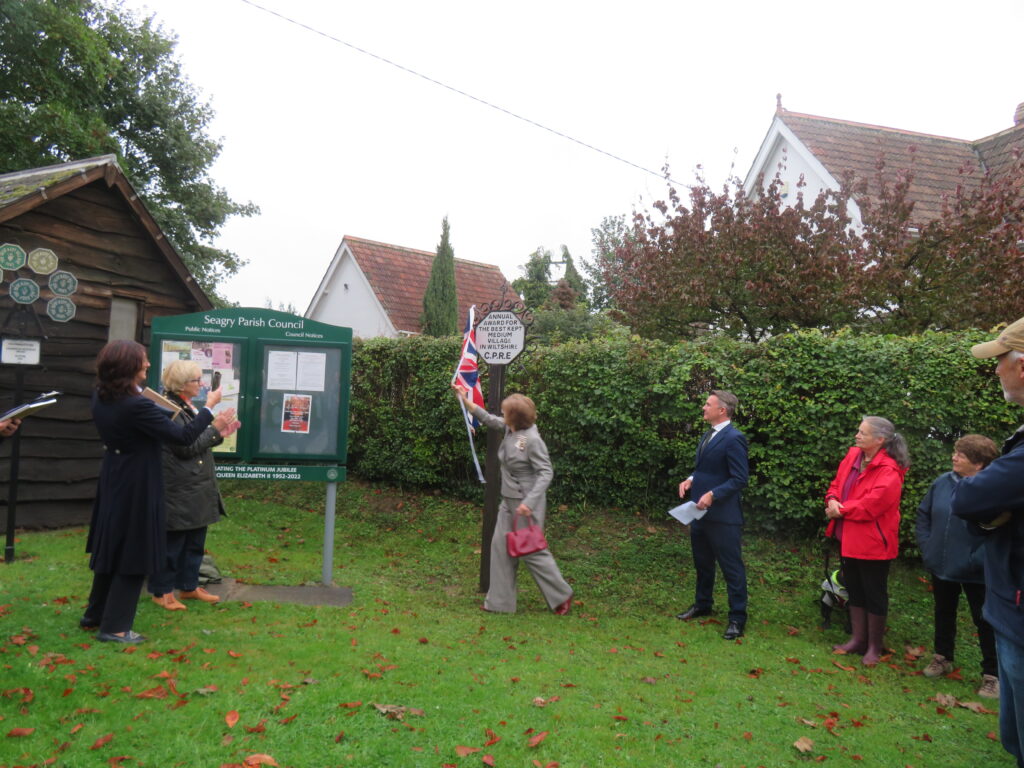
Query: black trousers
{"points": [[947, 600], [867, 581], [113, 600]]}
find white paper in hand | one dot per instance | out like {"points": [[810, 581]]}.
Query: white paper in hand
{"points": [[686, 513]]}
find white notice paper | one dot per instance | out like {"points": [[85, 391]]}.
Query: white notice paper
{"points": [[687, 513], [312, 371], [280, 370]]}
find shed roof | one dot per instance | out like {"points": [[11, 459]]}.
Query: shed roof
{"points": [[22, 191], [399, 279]]}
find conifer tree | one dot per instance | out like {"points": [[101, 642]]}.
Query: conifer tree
{"points": [[440, 303]]}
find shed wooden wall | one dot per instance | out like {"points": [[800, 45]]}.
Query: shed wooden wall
{"points": [[97, 238]]}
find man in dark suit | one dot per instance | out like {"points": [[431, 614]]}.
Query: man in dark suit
{"points": [[719, 474]]}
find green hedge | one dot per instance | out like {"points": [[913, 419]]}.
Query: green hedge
{"points": [[622, 417]]}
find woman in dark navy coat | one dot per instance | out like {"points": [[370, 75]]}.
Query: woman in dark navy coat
{"points": [[126, 534]]}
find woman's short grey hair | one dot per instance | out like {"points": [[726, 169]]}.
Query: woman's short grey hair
{"points": [[177, 375], [894, 443]]}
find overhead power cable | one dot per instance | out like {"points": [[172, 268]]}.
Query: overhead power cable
{"points": [[453, 89]]}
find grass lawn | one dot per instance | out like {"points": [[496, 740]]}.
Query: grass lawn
{"points": [[618, 682]]}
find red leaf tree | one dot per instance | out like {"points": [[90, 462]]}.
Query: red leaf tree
{"points": [[753, 266]]}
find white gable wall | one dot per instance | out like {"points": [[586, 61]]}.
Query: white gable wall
{"points": [[346, 298], [781, 146]]}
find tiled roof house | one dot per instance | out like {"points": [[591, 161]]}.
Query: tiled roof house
{"points": [[376, 289], [824, 150]]}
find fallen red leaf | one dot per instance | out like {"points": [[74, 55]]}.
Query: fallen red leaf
{"points": [[351, 704], [537, 739], [231, 718], [487, 760], [492, 738], [260, 727], [21, 732], [102, 741], [844, 667], [259, 759], [234, 654], [462, 751]]}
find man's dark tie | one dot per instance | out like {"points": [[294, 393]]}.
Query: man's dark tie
{"points": [[704, 442]]}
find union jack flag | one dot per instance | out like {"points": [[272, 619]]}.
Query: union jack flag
{"points": [[467, 375], [467, 372]]}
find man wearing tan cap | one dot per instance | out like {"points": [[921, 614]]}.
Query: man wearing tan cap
{"points": [[994, 499]]}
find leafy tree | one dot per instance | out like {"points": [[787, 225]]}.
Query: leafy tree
{"points": [[554, 325], [80, 78], [281, 306], [535, 284], [752, 267], [574, 278], [440, 303], [606, 240], [748, 266], [563, 296], [961, 270]]}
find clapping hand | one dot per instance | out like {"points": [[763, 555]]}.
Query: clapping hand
{"points": [[224, 422]]}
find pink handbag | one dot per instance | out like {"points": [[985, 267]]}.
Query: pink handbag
{"points": [[525, 541]]}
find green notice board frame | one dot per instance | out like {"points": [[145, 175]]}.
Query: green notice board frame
{"points": [[288, 377]]}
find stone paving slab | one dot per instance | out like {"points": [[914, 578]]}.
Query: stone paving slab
{"points": [[230, 590]]}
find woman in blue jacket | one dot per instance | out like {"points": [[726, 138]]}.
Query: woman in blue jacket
{"points": [[953, 556], [126, 534]]}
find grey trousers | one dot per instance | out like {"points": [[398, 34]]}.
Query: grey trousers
{"points": [[501, 597]]}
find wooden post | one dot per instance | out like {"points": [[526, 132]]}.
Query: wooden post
{"points": [[12, 488], [492, 473]]}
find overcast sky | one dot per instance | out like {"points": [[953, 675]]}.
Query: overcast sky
{"points": [[330, 142]]}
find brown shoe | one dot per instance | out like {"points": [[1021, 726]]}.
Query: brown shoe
{"points": [[169, 602], [199, 594], [989, 687], [938, 666]]}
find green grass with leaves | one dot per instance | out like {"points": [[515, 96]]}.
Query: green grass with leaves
{"points": [[618, 682]]}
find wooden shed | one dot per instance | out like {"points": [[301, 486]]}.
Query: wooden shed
{"points": [[96, 267]]}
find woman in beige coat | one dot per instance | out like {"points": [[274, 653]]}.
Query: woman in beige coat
{"points": [[525, 475]]}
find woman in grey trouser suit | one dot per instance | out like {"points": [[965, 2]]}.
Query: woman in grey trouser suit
{"points": [[525, 475]]}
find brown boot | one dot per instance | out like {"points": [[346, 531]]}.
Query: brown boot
{"points": [[876, 640], [168, 601], [199, 594]]}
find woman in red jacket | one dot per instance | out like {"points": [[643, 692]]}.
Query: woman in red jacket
{"points": [[863, 508]]}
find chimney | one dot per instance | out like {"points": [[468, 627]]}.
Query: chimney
{"points": [[1018, 115]]}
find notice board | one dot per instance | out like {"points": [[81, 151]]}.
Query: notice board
{"points": [[287, 376]]}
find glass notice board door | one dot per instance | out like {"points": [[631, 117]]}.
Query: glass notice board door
{"points": [[222, 357], [301, 401]]}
